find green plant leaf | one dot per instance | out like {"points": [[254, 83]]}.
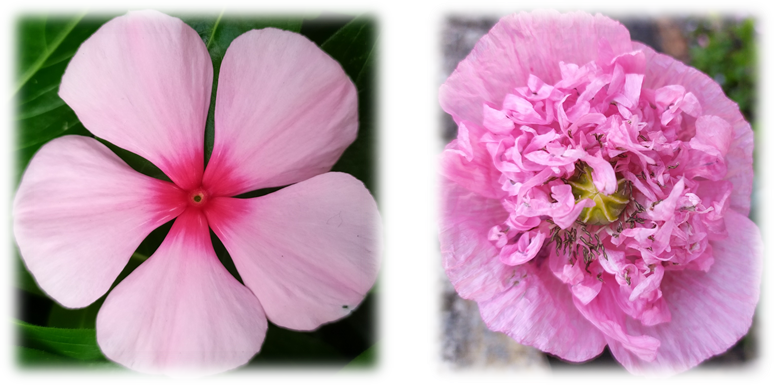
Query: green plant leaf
{"points": [[27, 364], [370, 365], [74, 343]]}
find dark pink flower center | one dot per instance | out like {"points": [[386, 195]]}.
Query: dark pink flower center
{"points": [[198, 197]]}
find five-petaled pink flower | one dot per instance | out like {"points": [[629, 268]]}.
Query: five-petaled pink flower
{"points": [[597, 194], [285, 111]]}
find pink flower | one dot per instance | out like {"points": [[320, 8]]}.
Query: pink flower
{"points": [[285, 112], [597, 194]]}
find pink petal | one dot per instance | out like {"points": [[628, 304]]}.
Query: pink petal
{"points": [[524, 249], [602, 174], [566, 220], [469, 257], [79, 214], [143, 83], [664, 70], [665, 209], [714, 131], [181, 312], [310, 252], [477, 174], [495, 121], [285, 112], [710, 311], [537, 310], [524, 44], [608, 318]]}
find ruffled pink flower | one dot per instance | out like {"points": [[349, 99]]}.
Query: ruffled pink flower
{"points": [[285, 112], [597, 194]]}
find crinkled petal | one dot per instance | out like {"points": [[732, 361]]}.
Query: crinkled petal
{"points": [[524, 250], [710, 311], [477, 174], [469, 257], [79, 214], [285, 112], [537, 310], [664, 70], [603, 175], [608, 318], [181, 312], [524, 44], [310, 252], [143, 83], [714, 131]]}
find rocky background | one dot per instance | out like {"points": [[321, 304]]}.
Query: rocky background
{"points": [[460, 347]]}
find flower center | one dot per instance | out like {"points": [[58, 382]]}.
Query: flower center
{"points": [[197, 197], [608, 207]]}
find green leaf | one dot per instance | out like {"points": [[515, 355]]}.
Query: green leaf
{"points": [[26, 364], [41, 40], [83, 318], [370, 365], [79, 344]]}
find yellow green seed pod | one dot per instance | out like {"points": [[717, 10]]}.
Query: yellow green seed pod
{"points": [[608, 207]]}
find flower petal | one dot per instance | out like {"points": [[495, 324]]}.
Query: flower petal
{"points": [[469, 257], [143, 82], [79, 214], [710, 311], [523, 44], [310, 252], [285, 112], [181, 312], [471, 166], [664, 70], [537, 310]]}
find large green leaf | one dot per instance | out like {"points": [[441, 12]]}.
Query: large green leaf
{"points": [[33, 353], [370, 365], [74, 343]]}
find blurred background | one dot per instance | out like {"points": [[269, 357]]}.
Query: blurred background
{"points": [[722, 46]]}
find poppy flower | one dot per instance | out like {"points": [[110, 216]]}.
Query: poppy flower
{"points": [[597, 195], [285, 112]]}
